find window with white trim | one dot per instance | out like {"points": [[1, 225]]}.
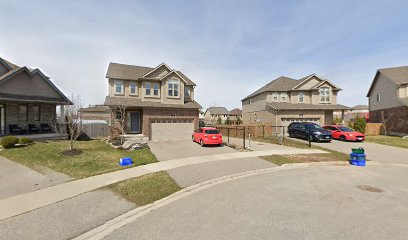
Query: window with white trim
{"points": [[301, 97], [156, 88], [148, 89], [118, 87], [275, 97], [173, 87], [378, 97], [284, 97], [324, 93], [133, 88]]}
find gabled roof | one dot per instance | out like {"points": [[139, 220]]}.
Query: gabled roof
{"points": [[236, 112], [218, 110], [95, 108], [284, 84], [360, 107], [15, 70], [398, 75], [132, 72], [9, 65]]}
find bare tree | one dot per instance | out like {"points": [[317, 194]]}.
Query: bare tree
{"points": [[118, 120], [68, 122], [384, 121]]}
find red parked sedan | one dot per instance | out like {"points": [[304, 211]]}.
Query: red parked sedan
{"points": [[344, 133], [207, 136]]}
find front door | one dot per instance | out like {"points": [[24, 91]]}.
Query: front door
{"points": [[135, 122]]}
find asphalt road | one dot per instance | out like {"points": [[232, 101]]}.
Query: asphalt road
{"points": [[304, 203]]}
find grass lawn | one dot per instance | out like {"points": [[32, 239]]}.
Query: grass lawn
{"points": [[146, 189], [96, 158], [388, 140], [279, 159]]}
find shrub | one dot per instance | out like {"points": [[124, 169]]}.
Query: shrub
{"points": [[8, 141], [360, 124], [25, 140], [227, 121], [337, 120], [219, 121]]}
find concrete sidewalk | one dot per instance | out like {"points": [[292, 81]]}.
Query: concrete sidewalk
{"points": [[26, 202], [255, 145]]}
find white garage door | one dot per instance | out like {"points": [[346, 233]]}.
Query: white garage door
{"points": [[286, 121], [171, 129]]}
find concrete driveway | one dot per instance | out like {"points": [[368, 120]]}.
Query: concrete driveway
{"points": [[190, 175], [375, 152], [16, 179], [335, 202]]}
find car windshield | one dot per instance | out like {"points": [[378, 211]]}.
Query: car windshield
{"points": [[313, 126], [212, 131], [346, 129]]}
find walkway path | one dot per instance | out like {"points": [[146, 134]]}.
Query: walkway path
{"points": [[26, 202]]}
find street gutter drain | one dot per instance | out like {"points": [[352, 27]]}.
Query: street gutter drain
{"points": [[369, 188]]}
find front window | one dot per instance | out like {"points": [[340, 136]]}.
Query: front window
{"points": [[324, 95], [133, 88], [22, 113], [173, 86], [118, 87], [301, 97], [36, 113], [156, 89], [148, 90], [283, 98]]}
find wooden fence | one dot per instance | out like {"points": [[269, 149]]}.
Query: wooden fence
{"points": [[254, 131], [96, 130], [374, 129]]}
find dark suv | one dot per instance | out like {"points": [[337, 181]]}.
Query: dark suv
{"points": [[308, 129]]}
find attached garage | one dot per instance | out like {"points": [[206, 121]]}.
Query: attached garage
{"points": [[171, 129], [286, 121]]}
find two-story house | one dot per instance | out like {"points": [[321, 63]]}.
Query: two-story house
{"points": [[285, 100], [388, 99], [212, 114], [159, 101], [28, 100]]}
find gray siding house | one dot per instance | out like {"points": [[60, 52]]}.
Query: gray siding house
{"points": [[285, 100], [28, 100]]}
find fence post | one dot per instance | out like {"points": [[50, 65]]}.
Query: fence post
{"points": [[263, 131], [244, 137], [284, 132], [228, 134]]}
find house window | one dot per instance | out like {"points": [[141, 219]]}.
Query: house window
{"points": [[148, 90], [173, 86], [324, 95], [133, 88], [23, 113], [250, 101], [186, 92], [118, 115], [378, 97], [36, 113], [275, 97], [118, 87], [156, 89], [301, 97], [283, 97]]}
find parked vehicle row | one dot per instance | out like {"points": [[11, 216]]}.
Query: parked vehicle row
{"points": [[316, 133]]}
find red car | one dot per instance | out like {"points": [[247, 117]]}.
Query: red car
{"points": [[207, 136], [344, 133]]}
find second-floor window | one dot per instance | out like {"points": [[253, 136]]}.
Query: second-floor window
{"points": [[118, 87], [378, 97], [275, 97], [301, 97], [186, 92], [173, 87], [148, 89], [156, 89], [284, 97], [324, 94], [133, 88]]}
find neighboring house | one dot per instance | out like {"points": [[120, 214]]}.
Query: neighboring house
{"points": [[159, 101], [235, 116], [212, 114], [28, 100], [285, 100], [95, 112], [388, 99], [356, 111]]}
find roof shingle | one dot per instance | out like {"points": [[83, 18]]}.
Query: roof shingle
{"points": [[304, 106]]}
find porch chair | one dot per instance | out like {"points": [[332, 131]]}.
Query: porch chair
{"points": [[32, 128], [45, 128], [15, 129]]}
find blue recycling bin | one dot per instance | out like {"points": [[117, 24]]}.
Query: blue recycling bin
{"points": [[358, 159], [125, 161]]}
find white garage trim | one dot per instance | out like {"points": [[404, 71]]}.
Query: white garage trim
{"points": [[171, 129]]}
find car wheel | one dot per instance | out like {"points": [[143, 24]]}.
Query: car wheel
{"points": [[342, 138], [201, 143]]}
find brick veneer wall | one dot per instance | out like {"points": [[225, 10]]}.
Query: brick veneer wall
{"points": [[397, 118], [167, 113]]}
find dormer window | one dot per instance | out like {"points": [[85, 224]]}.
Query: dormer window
{"points": [[324, 93], [118, 87], [148, 89], [173, 87]]}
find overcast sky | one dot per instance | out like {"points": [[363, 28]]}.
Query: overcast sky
{"points": [[229, 48]]}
